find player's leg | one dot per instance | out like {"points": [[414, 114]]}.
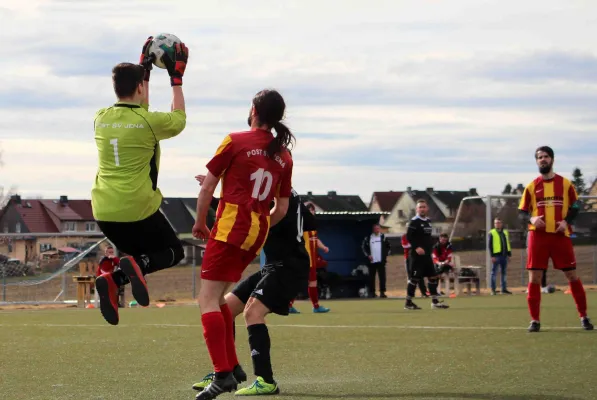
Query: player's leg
{"points": [[372, 271], [222, 265], [504, 269], [494, 270], [433, 276], [235, 300], [537, 261], [544, 282], [382, 280], [564, 259], [313, 289], [416, 274]]}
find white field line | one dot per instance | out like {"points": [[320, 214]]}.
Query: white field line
{"points": [[397, 327]]}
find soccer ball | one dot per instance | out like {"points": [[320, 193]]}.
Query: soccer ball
{"points": [[163, 44]]}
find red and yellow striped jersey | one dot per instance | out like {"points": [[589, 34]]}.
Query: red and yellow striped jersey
{"points": [[250, 180], [311, 246], [550, 198]]}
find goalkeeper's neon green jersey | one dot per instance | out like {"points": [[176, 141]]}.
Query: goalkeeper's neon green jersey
{"points": [[127, 138]]}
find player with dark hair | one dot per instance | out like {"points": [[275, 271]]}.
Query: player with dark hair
{"points": [[125, 197], [549, 206], [255, 167], [268, 291], [312, 245], [442, 256], [420, 258]]}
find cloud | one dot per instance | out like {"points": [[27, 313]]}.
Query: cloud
{"points": [[379, 98]]}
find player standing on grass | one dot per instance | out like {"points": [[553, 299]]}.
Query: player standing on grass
{"points": [[406, 246], [268, 291], [420, 258], [125, 197], [550, 205], [255, 167], [312, 245]]}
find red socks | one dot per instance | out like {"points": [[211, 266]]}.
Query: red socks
{"points": [[534, 300], [314, 296], [291, 303], [215, 334], [230, 346], [580, 298]]}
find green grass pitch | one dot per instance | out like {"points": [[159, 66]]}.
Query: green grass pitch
{"points": [[367, 349]]}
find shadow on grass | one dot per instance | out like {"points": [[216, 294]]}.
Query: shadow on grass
{"points": [[435, 395]]}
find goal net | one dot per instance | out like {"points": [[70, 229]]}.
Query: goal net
{"points": [[474, 219], [45, 278]]}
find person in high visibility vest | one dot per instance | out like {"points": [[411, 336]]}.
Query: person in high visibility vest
{"points": [[501, 251]]}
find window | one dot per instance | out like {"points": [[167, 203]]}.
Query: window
{"points": [[400, 214], [5, 228], [70, 226], [44, 247], [18, 227], [90, 227]]}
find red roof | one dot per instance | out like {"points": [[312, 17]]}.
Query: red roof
{"points": [[83, 208], [36, 217], [387, 200], [63, 212]]}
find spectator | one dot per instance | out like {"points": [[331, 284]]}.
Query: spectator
{"points": [[501, 251], [376, 248], [406, 247], [442, 256]]}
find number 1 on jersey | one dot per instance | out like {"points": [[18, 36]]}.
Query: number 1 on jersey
{"points": [[259, 176], [114, 142]]}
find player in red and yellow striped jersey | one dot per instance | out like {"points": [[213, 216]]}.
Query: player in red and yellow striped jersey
{"points": [[313, 245], [549, 205], [254, 168]]}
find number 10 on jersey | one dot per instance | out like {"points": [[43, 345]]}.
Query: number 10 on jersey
{"points": [[260, 177]]}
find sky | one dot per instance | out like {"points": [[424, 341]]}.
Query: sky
{"points": [[381, 95]]}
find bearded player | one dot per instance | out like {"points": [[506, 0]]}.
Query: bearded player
{"points": [[550, 205], [255, 167], [312, 245]]}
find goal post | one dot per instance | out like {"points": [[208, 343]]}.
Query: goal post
{"points": [[474, 219]]}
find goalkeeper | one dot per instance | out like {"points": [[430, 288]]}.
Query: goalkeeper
{"points": [[125, 197]]}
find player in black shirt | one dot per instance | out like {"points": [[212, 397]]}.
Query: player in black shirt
{"points": [[269, 291], [420, 258]]}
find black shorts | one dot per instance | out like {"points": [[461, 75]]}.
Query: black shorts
{"points": [[421, 267], [152, 234], [276, 284]]}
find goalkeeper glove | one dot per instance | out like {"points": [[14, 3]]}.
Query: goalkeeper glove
{"points": [[146, 59], [177, 66]]}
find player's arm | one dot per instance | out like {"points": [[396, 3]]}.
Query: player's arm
{"points": [[572, 211], [434, 255], [282, 195], [525, 207], [279, 211], [203, 204], [413, 236]]}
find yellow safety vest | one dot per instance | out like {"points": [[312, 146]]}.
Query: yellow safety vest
{"points": [[497, 242]]}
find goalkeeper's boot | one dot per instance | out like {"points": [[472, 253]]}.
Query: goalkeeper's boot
{"points": [[259, 388], [107, 291], [292, 310], [320, 309], [217, 387], [586, 324], [535, 326], [238, 373], [129, 266]]}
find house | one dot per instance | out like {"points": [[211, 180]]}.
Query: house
{"points": [[592, 203], [384, 202], [443, 207], [334, 202], [30, 227]]}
